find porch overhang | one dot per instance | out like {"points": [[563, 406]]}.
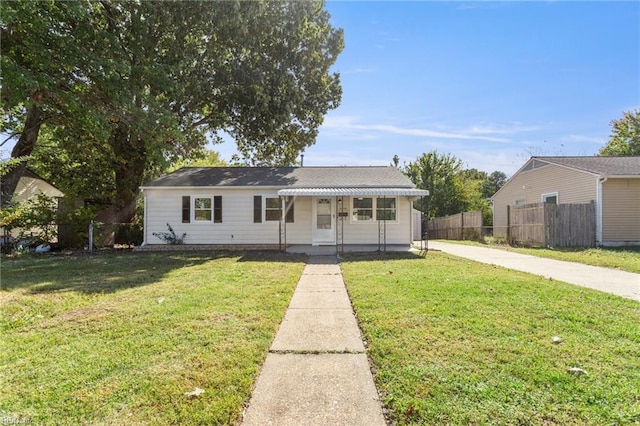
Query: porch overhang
{"points": [[353, 192]]}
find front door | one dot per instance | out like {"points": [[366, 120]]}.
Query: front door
{"points": [[324, 221]]}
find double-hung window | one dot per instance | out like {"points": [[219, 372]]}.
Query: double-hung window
{"points": [[205, 209], [386, 209], [272, 209], [362, 209], [202, 209]]}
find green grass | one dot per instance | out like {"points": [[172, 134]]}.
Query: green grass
{"points": [[457, 342], [623, 258], [117, 339]]}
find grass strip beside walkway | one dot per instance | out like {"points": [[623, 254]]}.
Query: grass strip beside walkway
{"points": [[623, 258], [458, 342], [120, 338]]}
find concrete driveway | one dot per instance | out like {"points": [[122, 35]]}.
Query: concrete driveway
{"points": [[620, 283]]}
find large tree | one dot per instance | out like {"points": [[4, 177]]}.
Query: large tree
{"points": [[452, 188], [625, 136], [168, 76], [47, 55], [440, 174]]}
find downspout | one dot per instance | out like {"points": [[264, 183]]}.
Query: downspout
{"points": [[599, 184], [144, 219]]}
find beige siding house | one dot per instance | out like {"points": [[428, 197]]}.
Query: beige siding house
{"points": [[612, 183], [30, 185], [261, 207]]}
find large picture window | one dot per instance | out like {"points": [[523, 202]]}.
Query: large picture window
{"points": [[363, 209]]}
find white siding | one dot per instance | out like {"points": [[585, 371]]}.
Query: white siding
{"points": [[367, 233], [165, 206], [572, 186]]}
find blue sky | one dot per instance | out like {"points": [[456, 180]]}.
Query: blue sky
{"points": [[489, 82]]}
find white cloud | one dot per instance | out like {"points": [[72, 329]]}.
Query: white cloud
{"points": [[359, 70], [481, 133], [586, 139]]}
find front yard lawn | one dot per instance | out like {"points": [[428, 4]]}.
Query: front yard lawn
{"points": [[120, 338], [458, 342]]}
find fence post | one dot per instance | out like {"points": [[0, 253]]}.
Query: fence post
{"points": [[508, 224], [462, 221], [91, 237]]}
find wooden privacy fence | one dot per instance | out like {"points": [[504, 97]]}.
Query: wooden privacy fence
{"points": [[552, 225], [460, 226]]}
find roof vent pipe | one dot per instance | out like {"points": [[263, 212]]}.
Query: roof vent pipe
{"points": [[301, 160]]}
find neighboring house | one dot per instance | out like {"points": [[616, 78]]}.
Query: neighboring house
{"points": [[612, 183], [241, 207], [30, 185]]}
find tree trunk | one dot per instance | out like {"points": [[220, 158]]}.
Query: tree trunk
{"points": [[129, 172], [23, 148]]}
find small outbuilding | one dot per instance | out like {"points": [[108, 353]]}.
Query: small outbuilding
{"points": [[612, 184], [292, 208]]}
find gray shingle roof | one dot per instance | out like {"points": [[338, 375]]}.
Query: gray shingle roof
{"points": [[604, 166], [290, 177]]}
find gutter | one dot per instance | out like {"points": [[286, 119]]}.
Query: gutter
{"points": [[600, 181]]}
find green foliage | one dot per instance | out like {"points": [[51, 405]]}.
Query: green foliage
{"points": [[78, 220], [36, 219], [170, 237], [125, 88], [625, 136], [440, 174], [7, 164], [202, 158], [454, 190]]}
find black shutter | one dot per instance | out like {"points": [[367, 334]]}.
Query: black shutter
{"points": [[186, 209], [217, 209], [289, 209], [257, 209]]}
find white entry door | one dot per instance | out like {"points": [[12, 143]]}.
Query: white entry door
{"points": [[324, 221]]}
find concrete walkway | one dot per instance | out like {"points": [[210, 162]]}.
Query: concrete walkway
{"points": [[317, 371], [621, 283]]}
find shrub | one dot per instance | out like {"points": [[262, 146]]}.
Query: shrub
{"points": [[170, 237]]}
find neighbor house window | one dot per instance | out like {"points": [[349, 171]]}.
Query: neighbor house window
{"points": [[186, 209], [386, 209], [202, 209], [520, 202], [551, 198], [362, 209]]}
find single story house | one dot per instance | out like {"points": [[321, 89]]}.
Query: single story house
{"points": [[278, 207], [611, 183]]}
